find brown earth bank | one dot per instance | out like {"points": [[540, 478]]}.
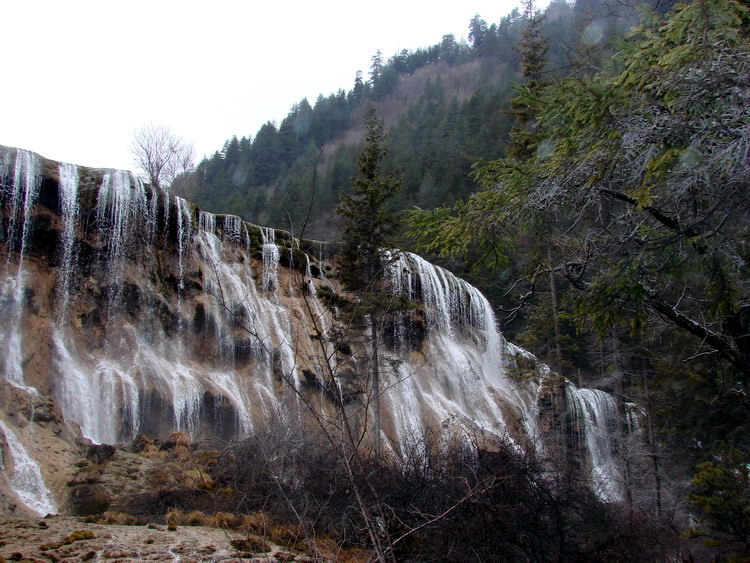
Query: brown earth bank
{"points": [[66, 538]]}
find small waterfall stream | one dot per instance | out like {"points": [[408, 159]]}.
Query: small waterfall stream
{"points": [[69, 217], [184, 237], [270, 262], [26, 477], [121, 209], [594, 416], [21, 180]]}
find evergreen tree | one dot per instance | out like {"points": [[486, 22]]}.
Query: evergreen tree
{"points": [[369, 224], [477, 31], [533, 48], [265, 153], [358, 91], [641, 176], [376, 67]]}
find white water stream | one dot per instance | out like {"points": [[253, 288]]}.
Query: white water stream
{"points": [[24, 476], [595, 413], [69, 217]]}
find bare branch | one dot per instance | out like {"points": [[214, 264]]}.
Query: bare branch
{"points": [[161, 155]]}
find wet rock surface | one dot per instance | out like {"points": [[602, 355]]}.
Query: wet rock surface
{"points": [[64, 538]]}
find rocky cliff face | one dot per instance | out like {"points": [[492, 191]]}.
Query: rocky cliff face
{"points": [[136, 312]]}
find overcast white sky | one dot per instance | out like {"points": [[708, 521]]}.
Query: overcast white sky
{"points": [[78, 77]]}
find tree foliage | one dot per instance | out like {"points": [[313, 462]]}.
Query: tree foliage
{"points": [[642, 172], [721, 490], [369, 224]]}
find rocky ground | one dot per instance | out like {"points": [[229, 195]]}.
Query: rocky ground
{"points": [[65, 538]]}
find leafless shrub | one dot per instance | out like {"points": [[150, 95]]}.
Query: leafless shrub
{"points": [[161, 155]]}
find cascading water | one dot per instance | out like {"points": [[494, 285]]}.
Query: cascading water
{"points": [[464, 384], [309, 285], [270, 262], [25, 477], [594, 419], [184, 236], [121, 206], [173, 321], [21, 181], [231, 293], [233, 228], [69, 217], [207, 222], [166, 205], [19, 173]]}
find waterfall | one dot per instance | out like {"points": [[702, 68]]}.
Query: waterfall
{"points": [[184, 236], [264, 324], [21, 182], [26, 477], [207, 222], [270, 262], [166, 205], [464, 384], [121, 204], [177, 319], [232, 226], [69, 218], [595, 418], [309, 285]]}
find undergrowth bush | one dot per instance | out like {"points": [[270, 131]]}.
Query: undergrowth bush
{"points": [[443, 499]]}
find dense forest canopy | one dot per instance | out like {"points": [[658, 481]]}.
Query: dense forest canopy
{"points": [[590, 166]]}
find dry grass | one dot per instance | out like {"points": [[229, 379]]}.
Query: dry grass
{"points": [[197, 479], [121, 519], [251, 545], [257, 527], [289, 536], [256, 523], [227, 520]]}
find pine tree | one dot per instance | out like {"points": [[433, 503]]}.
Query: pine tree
{"points": [[477, 31], [533, 48], [369, 224]]}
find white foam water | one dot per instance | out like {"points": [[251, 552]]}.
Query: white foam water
{"points": [[25, 477], [18, 198], [69, 179], [595, 414]]}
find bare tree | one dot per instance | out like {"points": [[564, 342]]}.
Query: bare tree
{"points": [[161, 155]]}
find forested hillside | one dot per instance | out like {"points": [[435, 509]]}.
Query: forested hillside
{"points": [[587, 168], [443, 105]]}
